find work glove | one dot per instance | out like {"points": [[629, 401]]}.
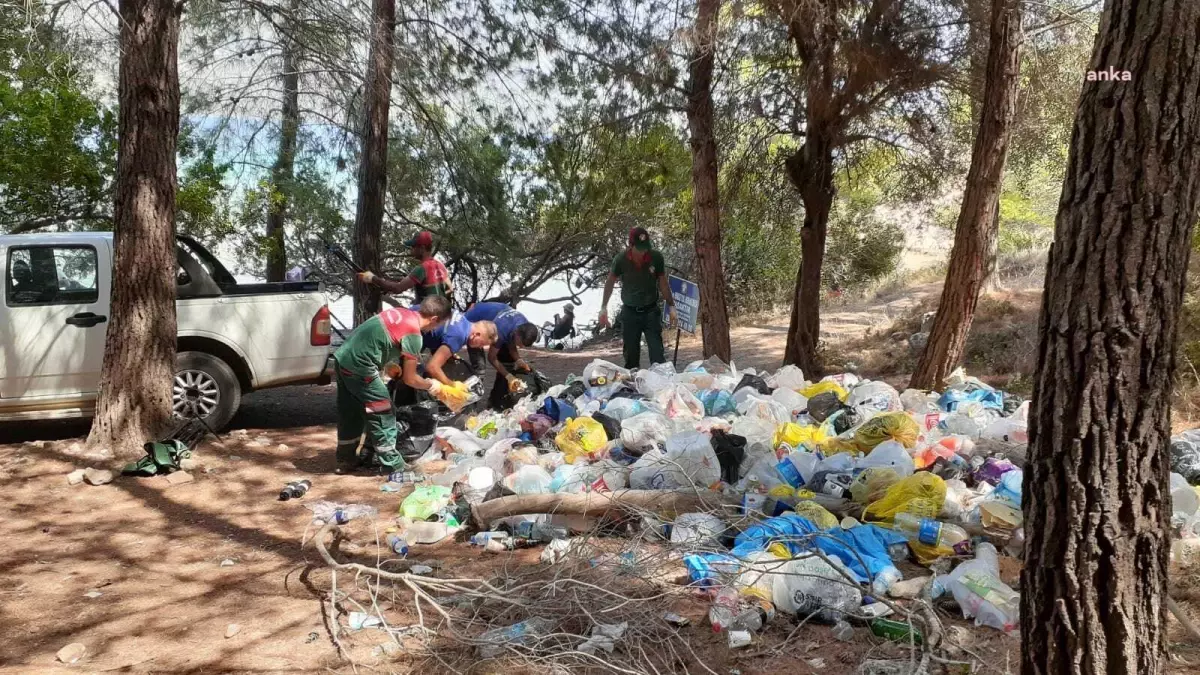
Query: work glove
{"points": [[672, 317], [435, 388], [515, 384], [366, 277], [521, 367], [602, 320]]}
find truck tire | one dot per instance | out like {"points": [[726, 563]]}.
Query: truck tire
{"points": [[205, 387]]}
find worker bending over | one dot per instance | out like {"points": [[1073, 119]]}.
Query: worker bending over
{"points": [[513, 332], [444, 343], [388, 338]]}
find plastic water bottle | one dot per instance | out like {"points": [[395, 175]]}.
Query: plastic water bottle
{"points": [[932, 532], [482, 538], [497, 640], [724, 610], [398, 544], [407, 477], [294, 490], [346, 514]]}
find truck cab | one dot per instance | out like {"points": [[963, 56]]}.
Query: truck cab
{"points": [[232, 338]]}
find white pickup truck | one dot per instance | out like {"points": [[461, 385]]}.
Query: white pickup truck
{"points": [[233, 338]]}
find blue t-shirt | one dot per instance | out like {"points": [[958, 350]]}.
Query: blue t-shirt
{"points": [[453, 334], [506, 319]]}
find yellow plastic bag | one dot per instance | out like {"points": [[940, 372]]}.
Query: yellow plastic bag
{"points": [[872, 484], [926, 554], [817, 514], [581, 437], [822, 387], [921, 494], [836, 445], [895, 426], [794, 435], [454, 395]]}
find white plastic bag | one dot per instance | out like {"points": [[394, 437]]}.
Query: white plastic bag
{"points": [[698, 530], [696, 380], [688, 461], [790, 377], [528, 480], [649, 382], [807, 585], [757, 432], [1014, 428], [496, 455], [765, 408], [457, 440], [969, 419], [677, 400], [980, 593], [622, 408], [919, 402], [610, 371], [889, 455], [879, 396], [790, 399], [644, 431]]}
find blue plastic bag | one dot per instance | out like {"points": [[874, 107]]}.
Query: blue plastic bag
{"points": [[717, 402], [557, 409], [704, 569], [989, 398]]}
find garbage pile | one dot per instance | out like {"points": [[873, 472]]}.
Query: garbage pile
{"points": [[841, 497]]}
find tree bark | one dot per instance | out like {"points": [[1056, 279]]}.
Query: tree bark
{"points": [[372, 176], [811, 172], [706, 212], [283, 173], [975, 232], [134, 403], [1097, 507]]}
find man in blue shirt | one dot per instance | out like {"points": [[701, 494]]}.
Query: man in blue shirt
{"points": [[513, 332], [444, 343]]}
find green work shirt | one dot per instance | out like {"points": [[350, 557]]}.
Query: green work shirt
{"points": [[639, 282], [388, 337], [431, 278]]}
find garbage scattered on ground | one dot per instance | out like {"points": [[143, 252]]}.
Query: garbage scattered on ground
{"points": [[232, 629], [294, 490], [767, 497], [72, 652]]}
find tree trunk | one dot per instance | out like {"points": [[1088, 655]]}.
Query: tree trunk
{"points": [[811, 172], [283, 172], [979, 27], [134, 404], [706, 212], [1097, 507], [372, 175], [975, 232]]}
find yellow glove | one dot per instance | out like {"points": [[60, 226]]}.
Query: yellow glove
{"points": [[515, 384]]}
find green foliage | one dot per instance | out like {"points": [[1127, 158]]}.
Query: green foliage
{"points": [[203, 203]]}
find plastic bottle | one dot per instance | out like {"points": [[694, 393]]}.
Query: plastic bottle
{"points": [[932, 532], [541, 532], [482, 538], [724, 610], [294, 490], [843, 631], [407, 477], [345, 514], [398, 544], [498, 639]]}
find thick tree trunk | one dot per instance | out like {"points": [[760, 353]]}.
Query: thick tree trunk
{"points": [[706, 212], [134, 405], [975, 233], [1097, 507], [372, 175], [979, 28], [283, 172], [811, 172]]}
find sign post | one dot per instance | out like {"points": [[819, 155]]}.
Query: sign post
{"points": [[687, 307]]}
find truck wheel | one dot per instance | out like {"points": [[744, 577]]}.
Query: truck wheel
{"points": [[205, 387]]}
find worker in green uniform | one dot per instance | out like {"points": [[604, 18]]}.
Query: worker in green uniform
{"points": [[378, 344], [429, 277], [642, 272]]}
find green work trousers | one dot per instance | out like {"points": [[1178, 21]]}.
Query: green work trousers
{"points": [[639, 321], [363, 404]]}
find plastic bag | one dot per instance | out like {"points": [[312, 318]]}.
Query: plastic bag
{"points": [[983, 395], [921, 494], [581, 437], [644, 431], [977, 588], [558, 410], [649, 383], [717, 402], [612, 426], [730, 450], [872, 484], [1014, 429], [600, 372], [790, 377], [754, 382], [968, 419], [676, 400], [794, 435], [425, 501], [622, 408], [697, 381], [457, 440], [820, 517], [896, 426], [822, 387], [528, 480], [1185, 455], [700, 530], [765, 409], [891, 455], [878, 396], [497, 456], [823, 406], [789, 399], [810, 585], [537, 426], [688, 461], [920, 402]]}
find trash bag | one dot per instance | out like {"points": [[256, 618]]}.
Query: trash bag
{"points": [[809, 585], [644, 431], [823, 405], [612, 427], [890, 455], [790, 377], [823, 387], [537, 426], [816, 513], [650, 383], [896, 426], [622, 408], [425, 501], [919, 402], [558, 410], [878, 396], [788, 398], [1013, 429], [717, 402], [420, 419], [921, 494], [794, 435], [872, 484], [987, 397], [687, 461], [453, 440], [536, 384], [765, 409], [575, 389], [530, 479], [731, 450], [676, 400], [754, 382], [700, 530], [1185, 455], [599, 373], [582, 437]]}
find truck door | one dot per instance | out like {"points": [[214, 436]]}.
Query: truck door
{"points": [[56, 300]]}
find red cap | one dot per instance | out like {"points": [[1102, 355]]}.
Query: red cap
{"points": [[423, 238], [639, 238]]}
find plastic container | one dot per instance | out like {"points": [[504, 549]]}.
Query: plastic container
{"points": [[932, 532], [482, 538], [977, 588], [398, 544], [724, 610]]}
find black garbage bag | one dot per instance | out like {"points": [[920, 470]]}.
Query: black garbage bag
{"points": [[731, 450], [612, 428], [501, 398], [627, 391], [574, 390], [418, 419], [754, 381], [821, 406], [846, 419]]}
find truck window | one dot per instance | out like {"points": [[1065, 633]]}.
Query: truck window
{"points": [[51, 275]]}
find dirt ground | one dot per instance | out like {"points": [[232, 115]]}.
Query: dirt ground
{"points": [[149, 575]]}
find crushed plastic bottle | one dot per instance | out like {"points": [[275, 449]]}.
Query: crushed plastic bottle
{"points": [[326, 512], [499, 640]]}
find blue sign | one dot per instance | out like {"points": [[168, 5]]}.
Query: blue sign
{"points": [[687, 303]]}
